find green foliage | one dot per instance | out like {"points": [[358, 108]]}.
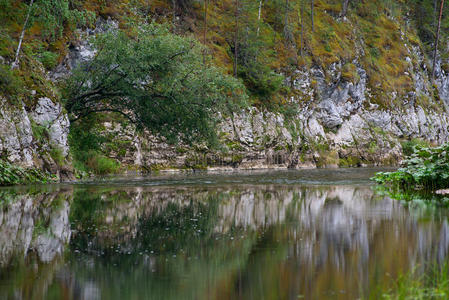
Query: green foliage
{"points": [[260, 79], [255, 53], [11, 84], [54, 15], [157, 80], [427, 168], [57, 155], [408, 147], [11, 175], [48, 59], [101, 164], [434, 285], [40, 132], [413, 199], [86, 146]]}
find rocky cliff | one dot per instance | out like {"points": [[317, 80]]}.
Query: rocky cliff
{"points": [[36, 135], [339, 118], [338, 122]]}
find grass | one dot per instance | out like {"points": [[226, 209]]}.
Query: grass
{"points": [[102, 165], [40, 132], [434, 285], [57, 155]]}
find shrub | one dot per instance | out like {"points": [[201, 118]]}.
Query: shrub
{"points": [[10, 83], [408, 147], [86, 145], [11, 175], [40, 132], [101, 164], [427, 169], [48, 59], [57, 155]]}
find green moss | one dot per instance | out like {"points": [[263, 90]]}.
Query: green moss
{"points": [[372, 147], [349, 73], [350, 161], [327, 158], [181, 150]]}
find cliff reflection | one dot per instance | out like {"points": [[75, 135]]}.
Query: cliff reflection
{"points": [[271, 241]]}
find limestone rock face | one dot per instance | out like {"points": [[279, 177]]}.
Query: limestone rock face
{"points": [[16, 140], [21, 146], [50, 115]]}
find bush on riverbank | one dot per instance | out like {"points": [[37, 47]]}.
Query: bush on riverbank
{"points": [[426, 169], [11, 175]]}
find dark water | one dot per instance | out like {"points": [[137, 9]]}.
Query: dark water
{"points": [[313, 234]]}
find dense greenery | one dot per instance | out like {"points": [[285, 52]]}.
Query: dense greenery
{"points": [[86, 144], [155, 79], [11, 175], [427, 168]]}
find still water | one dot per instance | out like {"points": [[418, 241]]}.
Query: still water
{"points": [[312, 234]]}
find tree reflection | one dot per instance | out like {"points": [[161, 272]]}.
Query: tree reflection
{"points": [[241, 241]]}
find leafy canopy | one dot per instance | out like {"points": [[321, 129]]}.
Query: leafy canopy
{"points": [[159, 81]]}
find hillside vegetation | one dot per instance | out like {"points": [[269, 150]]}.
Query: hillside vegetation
{"points": [[261, 42], [232, 54]]}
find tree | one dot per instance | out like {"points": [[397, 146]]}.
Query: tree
{"points": [[253, 51], [302, 26], [15, 63], [311, 14], [344, 9], [205, 30], [236, 35], [436, 40], [157, 81], [288, 35], [258, 16]]}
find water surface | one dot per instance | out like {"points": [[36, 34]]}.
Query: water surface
{"points": [[313, 234]]}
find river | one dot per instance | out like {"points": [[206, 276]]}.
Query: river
{"points": [[312, 234]]}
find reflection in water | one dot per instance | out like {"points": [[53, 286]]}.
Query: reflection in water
{"points": [[222, 241]]}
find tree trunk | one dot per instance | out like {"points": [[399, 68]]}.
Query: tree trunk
{"points": [[22, 34], [206, 2], [436, 40], [302, 27], [434, 13], [236, 36], [174, 11], [286, 29], [311, 14], [258, 17], [344, 9]]}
